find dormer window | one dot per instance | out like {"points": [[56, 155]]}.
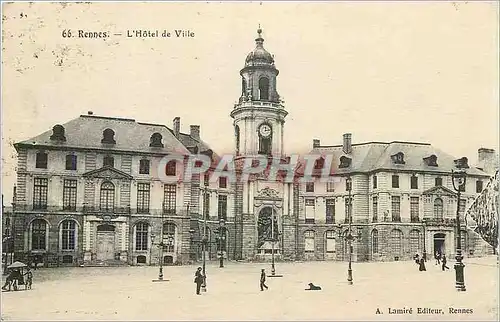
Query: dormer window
{"points": [[41, 160], [155, 141], [431, 160], [462, 163], [108, 136], [345, 162], [58, 133], [319, 163], [108, 161], [398, 158]]}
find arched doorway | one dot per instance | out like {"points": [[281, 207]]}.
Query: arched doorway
{"points": [[439, 243], [268, 231], [105, 242]]}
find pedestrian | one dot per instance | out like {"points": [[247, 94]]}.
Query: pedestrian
{"points": [[416, 258], [263, 280], [8, 281], [438, 257], [421, 266], [29, 279], [198, 279], [35, 261], [444, 263]]}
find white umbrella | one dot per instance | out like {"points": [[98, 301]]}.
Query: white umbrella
{"points": [[17, 265]]}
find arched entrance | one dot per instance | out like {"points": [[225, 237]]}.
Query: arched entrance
{"points": [[105, 242], [439, 243], [268, 235]]}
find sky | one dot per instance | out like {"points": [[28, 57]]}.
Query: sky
{"points": [[383, 71]]}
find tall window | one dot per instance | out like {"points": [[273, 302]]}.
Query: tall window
{"points": [[144, 166], [330, 241], [264, 88], [310, 187], [169, 198], [68, 235], [414, 242], [414, 207], [309, 241], [375, 209], [395, 241], [107, 196], [41, 160], [169, 237], [69, 194], [141, 236], [170, 169], [348, 185], [143, 198], [330, 211], [479, 186], [206, 179], [222, 207], [396, 208], [414, 182], [38, 234], [395, 181], [40, 191], [330, 186], [206, 205], [71, 162], [375, 241], [438, 181], [108, 161], [222, 182], [374, 182], [237, 134], [310, 211], [438, 208]]}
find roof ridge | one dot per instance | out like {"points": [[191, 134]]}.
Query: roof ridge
{"points": [[108, 118]]}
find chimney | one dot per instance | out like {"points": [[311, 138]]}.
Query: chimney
{"points": [[485, 154], [90, 113], [177, 126], [488, 160], [316, 143], [347, 143], [194, 131]]}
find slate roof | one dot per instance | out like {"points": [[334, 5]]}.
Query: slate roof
{"points": [[374, 156], [86, 132]]}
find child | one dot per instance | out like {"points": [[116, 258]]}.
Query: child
{"points": [[29, 279]]}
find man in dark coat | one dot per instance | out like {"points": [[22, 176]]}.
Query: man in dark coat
{"points": [[421, 266], [444, 263], [198, 279], [263, 280]]}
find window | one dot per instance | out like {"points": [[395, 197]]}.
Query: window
{"points": [[108, 161], [309, 241], [330, 186], [243, 85], [69, 194], [330, 241], [108, 136], [438, 182], [414, 182], [395, 181], [170, 169], [223, 182], [206, 179], [169, 237], [141, 236], [310, 187], [395, 241], [330, 211], [68, 235], [143, 198], [398, 158], [237, 134], [169, 196], [431, 160], [7, 221], [375, 241], [144, 166], [319, 163], [348, 209], [155, 140], [107, 196], [38, 234], [479, 186], [396, 208], [462, 186], [71, 162], [374, 182], [264, 88], [310, 211], [58, 133], [40, 192], [414, 242], [222, 207], [414, 209], [206, 205], [345, 162], [41, 160], [348, 185], [438, 208], [375, 209]]}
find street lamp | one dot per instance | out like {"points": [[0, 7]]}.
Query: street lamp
{"points": [[273, 240], [151, 249], [221, 236], [349, 236], [459, 178], [204, 240]]}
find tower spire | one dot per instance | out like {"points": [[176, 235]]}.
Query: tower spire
{"points": [[259, 40]]}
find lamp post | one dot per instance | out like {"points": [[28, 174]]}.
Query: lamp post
{"points": [[349, 235], [222, 238], [459, 177], [424, 254], [273, 240], [151, 249], [204, 241]]}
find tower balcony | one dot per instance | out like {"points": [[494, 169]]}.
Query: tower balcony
{"points": [[259, 104]]}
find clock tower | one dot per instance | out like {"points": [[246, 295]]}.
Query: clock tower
{"points": [[259, 115]]}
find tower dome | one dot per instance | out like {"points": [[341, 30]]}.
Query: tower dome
{"points": [[259, 56]]}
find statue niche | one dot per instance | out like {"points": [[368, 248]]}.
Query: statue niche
{"points": [[265, 226]]}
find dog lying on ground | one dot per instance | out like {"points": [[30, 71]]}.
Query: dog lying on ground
{"points": [[313, 287]]}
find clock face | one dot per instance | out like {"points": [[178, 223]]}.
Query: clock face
{"points": [[265, 130]]}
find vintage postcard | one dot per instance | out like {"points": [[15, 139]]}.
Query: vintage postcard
{"points": [[250, 161]]}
